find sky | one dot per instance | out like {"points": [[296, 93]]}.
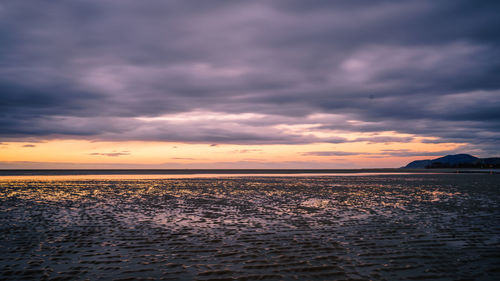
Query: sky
{"points": [[247, 84]]}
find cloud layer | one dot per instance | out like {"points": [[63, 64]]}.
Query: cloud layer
{"points": [[243, 72]]}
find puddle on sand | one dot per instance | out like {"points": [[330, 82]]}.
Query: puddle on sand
{"points": [[391, 227]]}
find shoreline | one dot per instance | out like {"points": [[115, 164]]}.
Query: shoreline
{"points": [[55, 172]]}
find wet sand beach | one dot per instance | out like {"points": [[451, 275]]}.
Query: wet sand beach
{"points": [[377, 227]]}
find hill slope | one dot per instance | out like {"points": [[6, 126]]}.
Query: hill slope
{"points": [[455, 161]]}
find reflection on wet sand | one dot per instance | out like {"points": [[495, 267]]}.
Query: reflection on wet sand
{"points": [[73, 177], [390, 227]]}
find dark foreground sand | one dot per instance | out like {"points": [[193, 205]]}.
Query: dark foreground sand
{"points": [[394, 227]]}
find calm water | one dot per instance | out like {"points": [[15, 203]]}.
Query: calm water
{"points": [[393, 227]]}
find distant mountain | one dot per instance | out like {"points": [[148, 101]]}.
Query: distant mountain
{"points": [[455, 161], [418, 164]]}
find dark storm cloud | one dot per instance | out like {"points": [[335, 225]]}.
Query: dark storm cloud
{"points": [[90, 69]]}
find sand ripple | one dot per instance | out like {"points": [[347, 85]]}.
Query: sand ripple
{"points": [[413, 227]]}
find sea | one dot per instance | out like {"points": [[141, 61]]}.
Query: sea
{"points": [[219, 225]]}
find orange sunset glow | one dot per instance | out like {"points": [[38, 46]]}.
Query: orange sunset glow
{"points": [[138, 154]]}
